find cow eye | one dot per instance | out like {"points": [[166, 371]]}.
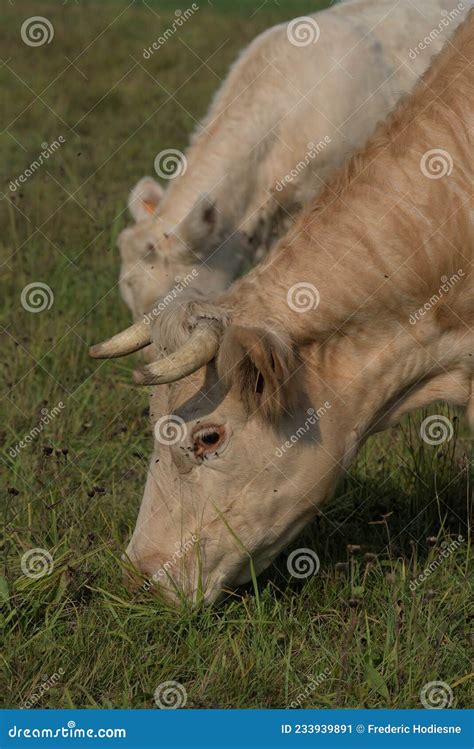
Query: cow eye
{"points": [[208, 440], [211, 438]]}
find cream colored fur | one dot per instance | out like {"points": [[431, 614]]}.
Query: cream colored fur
{"points": [[376, 244], [227, 209]]}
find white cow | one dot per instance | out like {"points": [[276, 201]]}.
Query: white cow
{"points": [[362, 312], [299, 99]]}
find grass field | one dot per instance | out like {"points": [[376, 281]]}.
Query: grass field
{"points": [[355, 635]]}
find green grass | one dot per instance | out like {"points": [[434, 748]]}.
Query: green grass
{"points": [[357, 622]]}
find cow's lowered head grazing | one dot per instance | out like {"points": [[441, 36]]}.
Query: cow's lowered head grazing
{"points": [[276, 384], [165, 253], [213, 503], [248, 448]]}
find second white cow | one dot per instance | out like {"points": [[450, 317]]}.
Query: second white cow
{"points": [[299, 99]]}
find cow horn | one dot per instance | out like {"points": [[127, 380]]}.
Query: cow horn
{"points": [[198, 350], [132, 339]]}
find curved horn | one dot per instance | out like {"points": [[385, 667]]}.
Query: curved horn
{"points": [[198, 350], [132, 339]]}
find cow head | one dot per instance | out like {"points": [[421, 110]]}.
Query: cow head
{"points": [[252, 436], [238, 466], [170, 250]]}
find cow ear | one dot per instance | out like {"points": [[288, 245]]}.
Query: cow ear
{"points": [[145, 198], [201, 223], [260, 365]]}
